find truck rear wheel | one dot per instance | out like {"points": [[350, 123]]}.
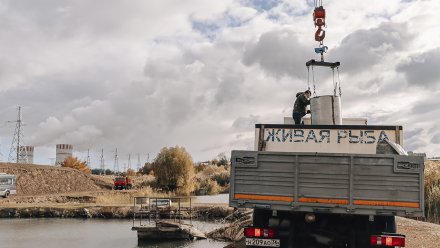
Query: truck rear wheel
{"points": [[384, 224], [261, 217], [6, 194]]}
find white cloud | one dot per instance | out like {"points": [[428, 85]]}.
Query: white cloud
{"points": [[142, 75]]}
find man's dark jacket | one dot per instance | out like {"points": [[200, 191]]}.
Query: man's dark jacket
{"points": [[301, 103]]}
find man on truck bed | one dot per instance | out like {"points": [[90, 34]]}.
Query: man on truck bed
{"points": [[300, 106]]}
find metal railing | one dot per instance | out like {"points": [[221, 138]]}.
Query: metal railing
{"points": [[148, 210]]}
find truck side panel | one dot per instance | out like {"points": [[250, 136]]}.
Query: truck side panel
{"points": [[333, 183]]}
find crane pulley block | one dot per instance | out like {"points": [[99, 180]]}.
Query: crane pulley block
{"points": [[319, 13]]}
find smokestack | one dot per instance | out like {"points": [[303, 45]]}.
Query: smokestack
{"points": [[62, 152], [26, 155]]}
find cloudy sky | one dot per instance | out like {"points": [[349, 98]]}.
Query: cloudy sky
{"points": [[140, 75]]}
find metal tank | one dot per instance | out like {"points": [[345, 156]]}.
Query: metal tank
{"points": [[326, 110]]}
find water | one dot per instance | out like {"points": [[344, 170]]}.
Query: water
{"points": [[74, 233], [220, 198]]}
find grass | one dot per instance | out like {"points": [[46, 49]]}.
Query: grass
{"points": [[432, 191], [127, 197]]}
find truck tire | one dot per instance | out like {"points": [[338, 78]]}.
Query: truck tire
{"points": [[360, 234], [6, 194], [385, 224], [261, 217]]}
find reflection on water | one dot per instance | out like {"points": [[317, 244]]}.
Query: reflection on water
{"points": [[73, 233]]}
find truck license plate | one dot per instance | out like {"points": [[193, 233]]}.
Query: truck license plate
{"points": [[263, 242]]}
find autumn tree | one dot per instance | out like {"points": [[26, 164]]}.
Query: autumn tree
{"points": [[174, 170], [75, 163], [146, 169]]}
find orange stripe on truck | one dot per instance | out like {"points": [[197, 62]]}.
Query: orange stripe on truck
{"points": [[387, 203], [323, 200], [264, 197]]}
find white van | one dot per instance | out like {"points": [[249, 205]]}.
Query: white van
{"points": [[7, 185], [160, 203]]}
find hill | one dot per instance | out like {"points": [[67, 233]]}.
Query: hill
{"points": [[42, 179]]}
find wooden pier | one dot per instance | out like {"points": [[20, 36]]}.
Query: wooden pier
{"points": [[162, 219]]}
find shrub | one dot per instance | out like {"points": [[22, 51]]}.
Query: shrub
{"points": [[212, 179], [75, 163], [207, 186], [432, 191], [130, 173], [145, 181]]}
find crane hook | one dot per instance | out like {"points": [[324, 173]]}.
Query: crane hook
{"points": [[320, 34]]}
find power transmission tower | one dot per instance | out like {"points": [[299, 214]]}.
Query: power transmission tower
{"points": [[138, 166], [116, 163], [129, 161], [88, 158], [17, 142], [101, 165]]}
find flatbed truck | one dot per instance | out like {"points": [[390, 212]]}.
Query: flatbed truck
{"points": [[326, 185]]}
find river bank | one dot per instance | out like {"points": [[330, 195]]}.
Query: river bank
{"points": [[202, 212]]}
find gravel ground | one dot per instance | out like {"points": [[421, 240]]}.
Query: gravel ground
{"points": [[419, 234]]}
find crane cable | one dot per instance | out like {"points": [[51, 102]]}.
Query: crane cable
{"points": [[339, 81], [336, 84], [308, 78], [313, 78], [318, 3]]}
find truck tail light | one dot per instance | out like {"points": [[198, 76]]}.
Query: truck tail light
{"points": [[256, 232], [388, 240]]}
